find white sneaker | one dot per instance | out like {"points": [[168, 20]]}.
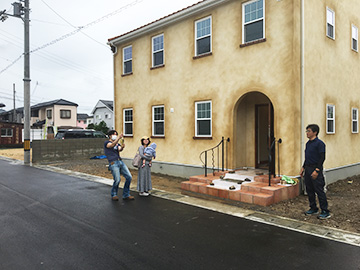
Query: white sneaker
{"points": [[143, 194]]}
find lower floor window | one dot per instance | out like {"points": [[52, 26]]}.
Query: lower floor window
{"points": [[330, 119], [6, 132], [128, 122], [203, 127], [158, 121], [355, 120]]}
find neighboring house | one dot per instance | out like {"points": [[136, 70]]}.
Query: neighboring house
{"points": [[10, 117], [53, 114], [90, 120], [82, 120], [2, 106], [233, 68], [10, 134], [104, 111]]}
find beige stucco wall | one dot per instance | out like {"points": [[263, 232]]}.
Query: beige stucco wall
{"points": [[63, 121], [332, 77], [233, 74]]}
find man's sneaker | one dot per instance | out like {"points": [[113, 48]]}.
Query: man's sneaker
{"points": [[324, 215], [129, 198], [311, 212], [115, 198]]}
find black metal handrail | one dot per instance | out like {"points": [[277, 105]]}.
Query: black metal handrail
{"points": [[279, 141], [213, 149]]}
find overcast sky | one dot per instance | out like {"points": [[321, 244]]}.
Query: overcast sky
{"points": [[78, 65]]}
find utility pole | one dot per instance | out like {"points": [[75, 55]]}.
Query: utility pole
{"points": [[27, 83], [19, 11], [14, 112]]}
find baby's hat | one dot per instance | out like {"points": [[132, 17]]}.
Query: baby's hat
{"points": [[153, 145]]}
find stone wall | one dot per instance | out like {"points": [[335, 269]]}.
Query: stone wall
{"points": [[55, 150]]}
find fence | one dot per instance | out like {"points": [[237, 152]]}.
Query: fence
{"points": [[54, 150]]}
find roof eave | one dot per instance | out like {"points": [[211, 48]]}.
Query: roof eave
{"points": [[161, 23]]}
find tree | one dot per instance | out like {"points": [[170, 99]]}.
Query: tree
{"points": [[99, 127]]}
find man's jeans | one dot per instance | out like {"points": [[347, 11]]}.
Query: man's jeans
{"points": [[116, 169]]}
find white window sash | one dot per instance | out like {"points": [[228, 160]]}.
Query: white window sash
{"points": [[328, 119], [204, 36], [156, 51], [330, 19], [354, 120], [126, 60], [127, 121], [157, 121], [354, 36], [244, 24], [201, 119]]}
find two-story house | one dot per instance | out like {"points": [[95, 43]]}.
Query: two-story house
{"points": [[253, 71], [81, 121], [54, 114], [104, 111]]}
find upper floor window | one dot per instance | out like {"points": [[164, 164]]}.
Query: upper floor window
{"points": [[158, 50], [253, 21], [128, 122], [6, 132], [203, 119], [330, 119], [158, 115], [65, 114], [34, 113], [355, 120], [203, 36], [127, 60], [49, 114], [354, 39], [330, 23]]}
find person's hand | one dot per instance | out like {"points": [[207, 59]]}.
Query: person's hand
{"points": [[314, 175], [302, 172]]}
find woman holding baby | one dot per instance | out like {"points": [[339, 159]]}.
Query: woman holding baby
{"points": [[144, 173]]}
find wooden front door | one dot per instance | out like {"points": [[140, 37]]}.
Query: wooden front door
{"points": [[264, 136]]}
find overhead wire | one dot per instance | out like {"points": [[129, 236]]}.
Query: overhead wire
{"points": [[12, 39], [77, 30], [69, 23]]}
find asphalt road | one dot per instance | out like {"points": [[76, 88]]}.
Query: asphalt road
{"points": [[54, 221]]}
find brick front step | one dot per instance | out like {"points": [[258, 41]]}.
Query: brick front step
{"points": [[258, 192]]}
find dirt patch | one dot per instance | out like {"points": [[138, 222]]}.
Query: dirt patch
{"points": [[343, 196]]}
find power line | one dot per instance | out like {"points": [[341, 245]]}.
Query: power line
{"points": [[54, 58], [13, 63], [87, 25], [75, 31], [72, 24]]}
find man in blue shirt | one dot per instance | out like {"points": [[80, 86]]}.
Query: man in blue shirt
{"points": [[112, 150], [312, 170]]}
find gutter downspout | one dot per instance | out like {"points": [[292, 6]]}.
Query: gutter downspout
{"points": [[302, 80], [114, 50]]}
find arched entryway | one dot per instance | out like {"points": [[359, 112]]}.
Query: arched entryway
{"points": [[253, 131]]}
